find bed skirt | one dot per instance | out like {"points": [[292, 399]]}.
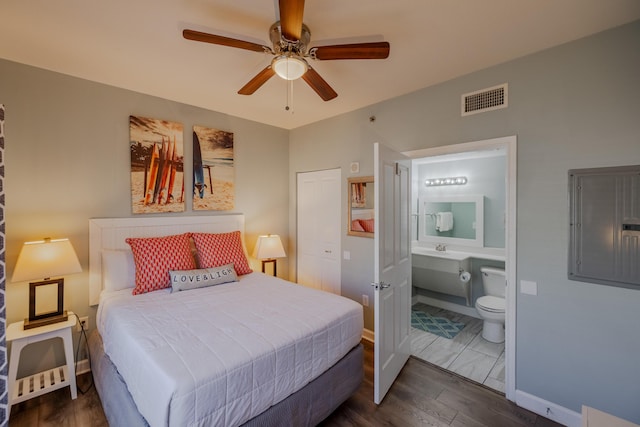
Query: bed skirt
{"points": [[306, 407]]}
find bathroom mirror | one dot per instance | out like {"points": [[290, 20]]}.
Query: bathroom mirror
{"points": [[360, 206], [455, 220]]}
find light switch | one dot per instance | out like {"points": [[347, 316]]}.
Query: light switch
{"points": [[528, 287], [346, 255]]}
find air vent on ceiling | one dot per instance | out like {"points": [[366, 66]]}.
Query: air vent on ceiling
{"points": [[492, 98]]}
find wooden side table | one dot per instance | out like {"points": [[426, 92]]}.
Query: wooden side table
{"points": [[43, 382]]}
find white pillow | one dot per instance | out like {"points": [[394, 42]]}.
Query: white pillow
{"points": [[118, 270], [184, 280]]}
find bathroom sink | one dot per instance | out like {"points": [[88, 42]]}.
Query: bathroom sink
{"points": [[447, 254]]}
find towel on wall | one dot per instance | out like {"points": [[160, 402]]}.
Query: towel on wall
{"points": [[444, 221]]}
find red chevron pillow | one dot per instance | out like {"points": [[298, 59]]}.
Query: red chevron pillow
{"points": [[156, 256], [219, 249], [367, 224], [356, 225]]}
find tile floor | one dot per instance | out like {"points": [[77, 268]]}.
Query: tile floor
{"points": [[467, 354]]}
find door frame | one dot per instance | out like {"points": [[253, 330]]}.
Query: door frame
{"points": [[509, 143]]}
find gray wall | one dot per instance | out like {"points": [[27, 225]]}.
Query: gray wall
{"points": [[67, 151], [573, 106]]}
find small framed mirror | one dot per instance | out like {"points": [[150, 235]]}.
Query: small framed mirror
{"points": [[361, 206]]}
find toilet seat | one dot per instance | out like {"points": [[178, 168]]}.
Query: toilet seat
{"points": [[491, 304]]}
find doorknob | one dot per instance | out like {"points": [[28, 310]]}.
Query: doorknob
{"points": [[381, 285]]}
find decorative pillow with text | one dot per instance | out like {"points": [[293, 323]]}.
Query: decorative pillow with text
{"points": [[201, 278]]}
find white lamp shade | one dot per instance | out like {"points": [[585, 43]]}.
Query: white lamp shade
{"points": [[289, 67], [269, 247], [46, 258]]}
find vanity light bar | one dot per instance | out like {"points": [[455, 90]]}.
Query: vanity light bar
{"points": [[456, 180]]}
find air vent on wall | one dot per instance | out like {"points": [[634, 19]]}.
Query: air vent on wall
{"points": [[489, 99]]}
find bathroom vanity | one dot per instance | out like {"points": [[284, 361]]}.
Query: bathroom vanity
{"points": [[448, 271]]}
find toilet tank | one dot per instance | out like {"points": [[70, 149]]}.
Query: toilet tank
{"points": [[494, 281]]}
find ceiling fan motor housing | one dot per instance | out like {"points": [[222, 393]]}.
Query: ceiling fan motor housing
{"points": [[282, 46]]}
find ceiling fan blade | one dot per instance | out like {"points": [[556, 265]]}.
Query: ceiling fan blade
{"points": [[376, 50], [224, 41], [291, 12], [318, 84], [255, 83]]}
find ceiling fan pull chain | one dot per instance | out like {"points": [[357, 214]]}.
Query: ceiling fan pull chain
{"points": [[289, 106], [286, 104], [291, 95]]}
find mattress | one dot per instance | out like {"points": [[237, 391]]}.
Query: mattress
{"points": [[222, 355]]}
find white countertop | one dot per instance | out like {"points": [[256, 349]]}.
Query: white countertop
{"points": [[460, 253]]}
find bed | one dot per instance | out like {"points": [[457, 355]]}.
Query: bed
{"points": [[250, 350]]}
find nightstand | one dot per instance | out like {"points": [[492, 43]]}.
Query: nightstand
{"points": [[43, 382]]}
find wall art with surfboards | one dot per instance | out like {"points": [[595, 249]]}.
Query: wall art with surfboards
{"points": [[213, 169], [157, 165]]}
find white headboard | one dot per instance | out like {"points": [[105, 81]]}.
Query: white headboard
{"points": [[110, 233], [362, 214]]}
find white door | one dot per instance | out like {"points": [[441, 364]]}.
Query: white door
{"points": [[319, 210], [392, 318]]}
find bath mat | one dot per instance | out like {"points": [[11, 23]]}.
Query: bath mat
{"points": [[436, 325]]}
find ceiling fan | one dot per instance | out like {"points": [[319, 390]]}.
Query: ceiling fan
{"points": [[290, 38]]}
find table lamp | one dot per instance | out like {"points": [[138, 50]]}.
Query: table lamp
{"points": [[267, 249], [46, 259]]}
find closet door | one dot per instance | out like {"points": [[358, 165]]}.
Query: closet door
{"points": [[319, 213]]}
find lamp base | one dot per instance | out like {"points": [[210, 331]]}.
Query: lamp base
{"points": [[265, 261], [30, 324]]}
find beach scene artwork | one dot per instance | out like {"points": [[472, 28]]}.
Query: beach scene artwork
{"points": [[213, 169], [157, 165]]}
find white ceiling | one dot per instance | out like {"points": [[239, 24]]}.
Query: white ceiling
{"points": [[138, 45]]}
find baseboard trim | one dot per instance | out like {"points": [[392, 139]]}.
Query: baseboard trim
{"points": [[82, 367], [368, 335], [548, 409], [456, 308]]}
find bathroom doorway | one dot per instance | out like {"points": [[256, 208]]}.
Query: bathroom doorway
{"points": [[464, 312]]}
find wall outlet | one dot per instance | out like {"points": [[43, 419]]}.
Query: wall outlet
{"points": [[82, 321], [365, 300]]}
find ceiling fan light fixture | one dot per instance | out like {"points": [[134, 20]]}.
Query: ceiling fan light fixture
{"points": [[289, 67]]}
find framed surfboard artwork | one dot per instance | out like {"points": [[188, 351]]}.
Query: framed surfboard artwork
{"points": [[213, 169], [157, 165]]}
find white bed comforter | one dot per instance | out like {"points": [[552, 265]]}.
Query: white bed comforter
{"points": [[224, 354]]}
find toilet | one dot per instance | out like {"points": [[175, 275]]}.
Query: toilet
{"points": [[491, 306]]}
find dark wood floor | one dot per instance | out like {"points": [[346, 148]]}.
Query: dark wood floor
{"points": [[426, 395], [423, 395], [57, 409]]}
